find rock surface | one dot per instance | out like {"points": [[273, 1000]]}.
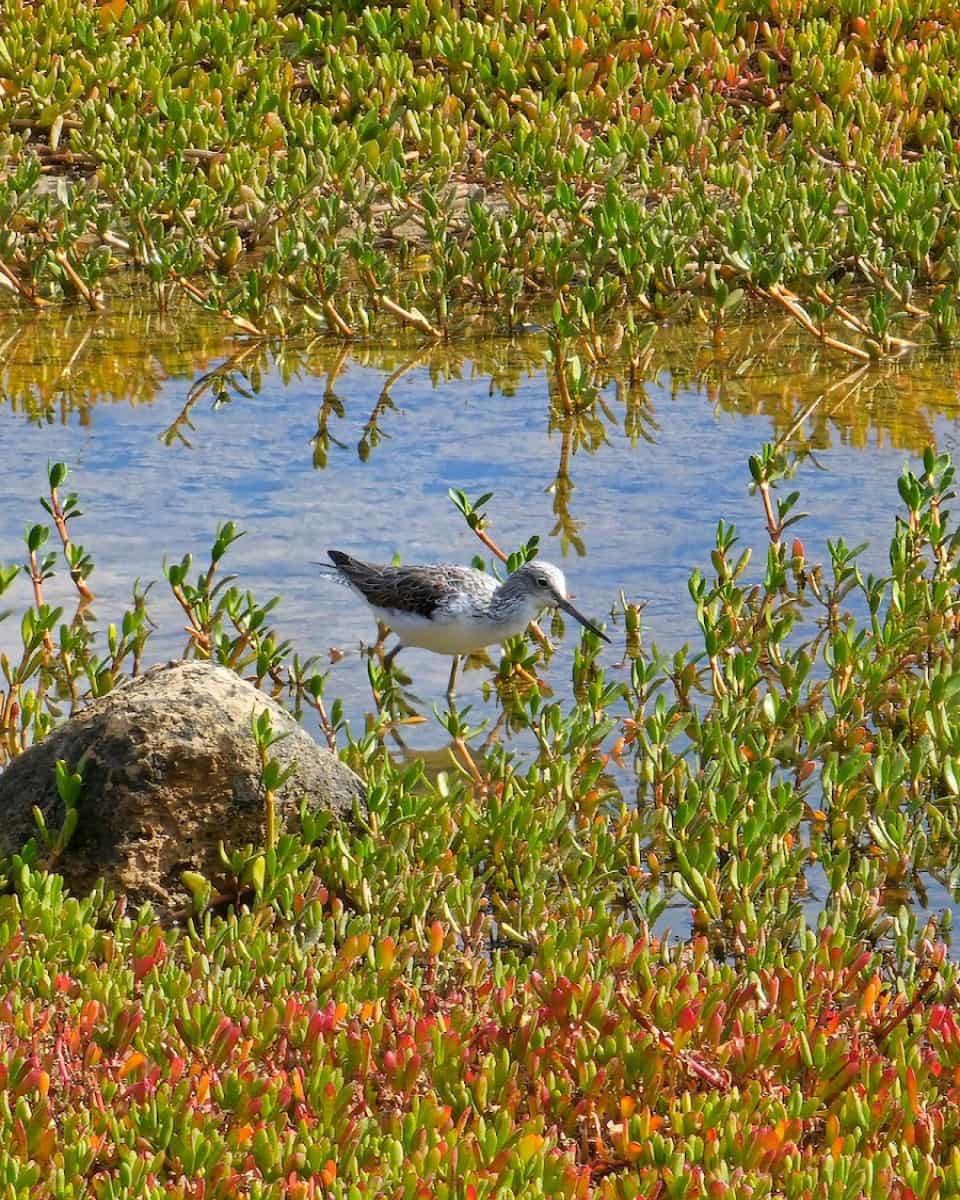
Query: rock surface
{"points": [[171, 770]]}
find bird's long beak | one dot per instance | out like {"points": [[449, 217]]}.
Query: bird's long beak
{"points": [[568, 607]]}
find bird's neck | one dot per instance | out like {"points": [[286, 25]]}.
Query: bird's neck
{"points": [[512, 602]]}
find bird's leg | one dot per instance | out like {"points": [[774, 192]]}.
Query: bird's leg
{"points": [[399, 740], [388, 658], [452, 685]]}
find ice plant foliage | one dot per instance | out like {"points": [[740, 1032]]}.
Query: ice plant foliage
{"points": [[468, 991], [284, 166], [253, 1058]]}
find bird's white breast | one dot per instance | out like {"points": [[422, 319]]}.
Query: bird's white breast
{"points": [[452, 632]]}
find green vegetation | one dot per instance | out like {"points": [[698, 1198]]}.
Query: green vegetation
{"points": [[463, 994], [469, 992], [336, 167]]}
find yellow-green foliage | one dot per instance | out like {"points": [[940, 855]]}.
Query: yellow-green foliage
{"points": [[520, 150]]}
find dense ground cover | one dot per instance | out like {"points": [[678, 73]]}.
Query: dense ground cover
{"points": [[284, 1055], [466, 993], [416, 162]]}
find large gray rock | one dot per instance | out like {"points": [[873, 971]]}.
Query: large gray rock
{"points": [[171, 770]]}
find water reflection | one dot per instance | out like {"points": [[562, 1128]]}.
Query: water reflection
{"points": [[57, 365]]}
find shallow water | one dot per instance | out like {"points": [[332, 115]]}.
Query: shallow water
{"points": [[309, 448]]}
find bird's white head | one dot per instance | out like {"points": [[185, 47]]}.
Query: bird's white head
{"points": [[542, 585], [542, 581]]}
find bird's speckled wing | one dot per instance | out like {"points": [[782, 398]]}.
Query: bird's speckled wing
{"points": [[419, 590]]}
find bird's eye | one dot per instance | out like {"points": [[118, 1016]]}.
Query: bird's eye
{"points": [[543, 581]]}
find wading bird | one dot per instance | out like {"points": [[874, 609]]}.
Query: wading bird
{"points": [[456, 610]]}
